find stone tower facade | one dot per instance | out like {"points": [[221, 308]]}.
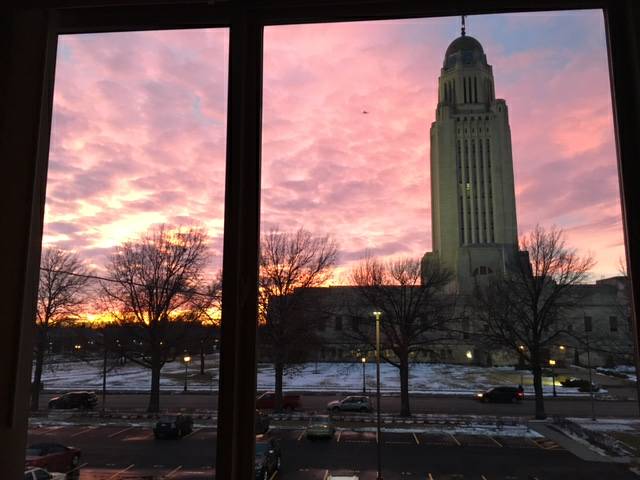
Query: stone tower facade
{"points": [[473, 208]]}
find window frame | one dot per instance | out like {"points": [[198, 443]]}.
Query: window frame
{"points": [[29, 85]]}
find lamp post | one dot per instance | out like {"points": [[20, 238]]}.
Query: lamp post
{"points": [[364, 385], [552, 363], [186, 359], [593, 407], [378, 431]]}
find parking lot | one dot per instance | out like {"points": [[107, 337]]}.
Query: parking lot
{"points": [[120, 452]]}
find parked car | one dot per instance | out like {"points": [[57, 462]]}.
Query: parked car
{"points": [[501, 395], [55, 457], [320, 430], [267, 401], [262, 422], [86, 400], [267, 459], [173, 426], [42, 474], [352, 403], [579, 383]]}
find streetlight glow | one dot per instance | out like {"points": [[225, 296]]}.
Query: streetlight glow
{"points": [[469, 354], [552, 362], [187, 358]]}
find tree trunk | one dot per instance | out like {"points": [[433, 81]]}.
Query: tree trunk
{"points": [[41, 345], [405, 410], [279, 369], [537, 385], [154, 398], [201, 358]]}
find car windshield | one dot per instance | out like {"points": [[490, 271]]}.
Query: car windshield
{"points": [[261, 449]]}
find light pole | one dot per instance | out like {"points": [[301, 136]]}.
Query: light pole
{"points": [[552, 363], [364, 385], [186, 359], [378, 431], [593, 407]]}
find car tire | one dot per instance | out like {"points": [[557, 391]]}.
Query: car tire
{"points": [[335, 409]]}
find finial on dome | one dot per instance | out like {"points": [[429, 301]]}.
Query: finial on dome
{"points": [[462, 30]]}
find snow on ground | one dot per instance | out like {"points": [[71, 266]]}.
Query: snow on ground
{"points": [[345, 377], [608, 424]]}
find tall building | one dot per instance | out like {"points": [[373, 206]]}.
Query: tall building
{"points": [[473, 211]]}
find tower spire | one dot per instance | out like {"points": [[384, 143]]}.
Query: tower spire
{"points": [[462, 30]]}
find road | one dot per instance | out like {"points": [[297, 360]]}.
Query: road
{"points": [[122, 452], [575, 407]]}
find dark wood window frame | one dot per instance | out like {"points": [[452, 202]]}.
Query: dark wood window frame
{"points": [[28, 37]]}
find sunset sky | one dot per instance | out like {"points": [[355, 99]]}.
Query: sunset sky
{"points": [[139, 132]]}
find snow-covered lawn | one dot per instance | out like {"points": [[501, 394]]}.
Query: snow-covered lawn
{"points": [[345, 377]]}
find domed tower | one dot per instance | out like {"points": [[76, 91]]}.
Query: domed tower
{"points": [[473, 207]]}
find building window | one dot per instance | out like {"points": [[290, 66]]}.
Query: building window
{"points": [[355, 324], [613, 323], [587, 324], [338, 323]]}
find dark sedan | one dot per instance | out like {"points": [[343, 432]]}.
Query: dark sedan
{"points": [[52, 456], [87, 400], [501, 395], [173, 426]]}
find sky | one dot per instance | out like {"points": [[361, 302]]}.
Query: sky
{"points": [[139, 126]]}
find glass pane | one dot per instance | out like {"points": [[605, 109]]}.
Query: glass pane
{"points": [[126, 355], [425, 179]]}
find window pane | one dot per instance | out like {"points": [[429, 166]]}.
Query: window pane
{"points": [[129, 301], [415, 177]]}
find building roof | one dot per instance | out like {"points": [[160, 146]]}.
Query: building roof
{"points": [[466, 48]]}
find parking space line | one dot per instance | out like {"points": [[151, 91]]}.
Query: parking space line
{"points": [[117, 474], [326, 474], [300, 436], [496, 441], [119, 432], [415, 437], [193, 432], [339, 433], [273, 475], [88, 429], [455, 439], [482, 477], [173, 472], [429, 476]]}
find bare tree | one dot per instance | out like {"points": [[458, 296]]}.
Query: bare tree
{"points": [[156, 278], [63, 279], [415, 310], [525, 309], [290, 262]]}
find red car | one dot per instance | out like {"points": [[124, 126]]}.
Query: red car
{"points": [[53, 456], [267, 401]]}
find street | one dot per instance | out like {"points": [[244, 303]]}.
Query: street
{"points": [[576, 407], [120, 451]]}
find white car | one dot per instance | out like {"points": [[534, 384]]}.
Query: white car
{"points": [[41, 474]]}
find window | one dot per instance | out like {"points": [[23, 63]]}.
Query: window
{"points": [[337, 323], [587, 324], [613, 324]]}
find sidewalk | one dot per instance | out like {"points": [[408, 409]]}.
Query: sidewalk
{"points": [[580, 449]]}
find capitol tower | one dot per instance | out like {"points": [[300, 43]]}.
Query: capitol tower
{"points": [[473, 209]]}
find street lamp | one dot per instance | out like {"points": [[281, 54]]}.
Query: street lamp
{"points": [[364, 385], [378, 430], [186, 359], [552, 363]]}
